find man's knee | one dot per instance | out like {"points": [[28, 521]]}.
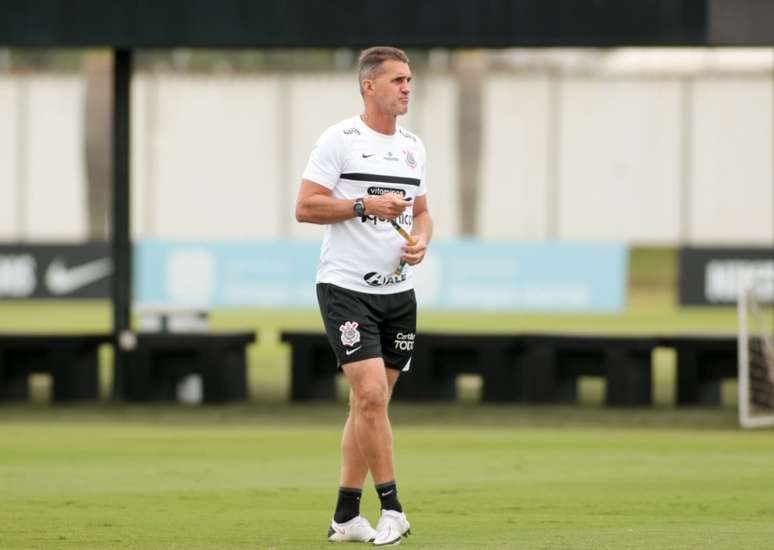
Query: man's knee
{"points": [[371, 401]]}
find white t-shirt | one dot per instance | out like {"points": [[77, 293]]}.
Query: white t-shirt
{"points": [[352, 160]]}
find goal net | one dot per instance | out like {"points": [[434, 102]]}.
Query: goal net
{"points": [[756, 353]]}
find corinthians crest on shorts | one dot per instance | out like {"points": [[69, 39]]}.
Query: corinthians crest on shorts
{"points": [[349, 333]]}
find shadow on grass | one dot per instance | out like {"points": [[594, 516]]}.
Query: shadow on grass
{"points": [[440, 416]]}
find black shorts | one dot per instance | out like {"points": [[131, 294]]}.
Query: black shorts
{"points": [[363, 326]]}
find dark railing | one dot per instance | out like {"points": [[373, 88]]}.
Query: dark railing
{"points": [[530, 368], [525, 368], [154, 367], [71, 360]]}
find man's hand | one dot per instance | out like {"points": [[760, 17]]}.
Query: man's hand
{"points": [[388, 206], [414, 253]]}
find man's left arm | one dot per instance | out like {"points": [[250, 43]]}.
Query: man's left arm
{"points": [[421, 231]]}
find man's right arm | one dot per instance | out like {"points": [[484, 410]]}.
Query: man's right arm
{"points": [[316, 205]]}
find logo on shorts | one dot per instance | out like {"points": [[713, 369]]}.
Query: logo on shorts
{"points": [[404, 341], [349, 333]]}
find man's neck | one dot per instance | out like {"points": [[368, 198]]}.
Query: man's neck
{"points": [[379, 121]]}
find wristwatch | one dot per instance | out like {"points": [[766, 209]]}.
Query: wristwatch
{"points": [[359, 207]]}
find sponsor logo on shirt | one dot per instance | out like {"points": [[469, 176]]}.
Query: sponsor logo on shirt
{"points": [[351, 131], [372, 278], [390, 156], [404, 219], [384, 190]]}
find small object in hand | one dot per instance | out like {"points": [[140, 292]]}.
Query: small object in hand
{"points": [[399, 269], [408, 238]]}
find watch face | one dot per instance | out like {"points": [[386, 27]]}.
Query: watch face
{"points": [[359, 207]]}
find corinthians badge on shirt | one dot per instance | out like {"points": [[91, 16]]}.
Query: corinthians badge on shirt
{"points": [[410, 160]]}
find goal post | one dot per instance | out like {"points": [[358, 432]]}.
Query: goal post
{"points": [[756, 353]]}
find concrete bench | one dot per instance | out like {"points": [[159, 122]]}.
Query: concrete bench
{"points": [[513, 368], [551, 365], [161, 360], [533, 368], [703, 363], [71, 360]]}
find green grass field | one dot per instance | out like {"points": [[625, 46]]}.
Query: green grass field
{"points": [[470, 477], [264, 474]]}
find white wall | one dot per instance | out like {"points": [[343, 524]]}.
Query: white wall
{"points": [[607, 157], [9, 220], [619, 159], [42, 166], [214, 169], [514, 158], [732, 188], [56, 174], [615, 157]]}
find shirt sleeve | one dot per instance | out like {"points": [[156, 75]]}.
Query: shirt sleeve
{"points": [[325, 161]]}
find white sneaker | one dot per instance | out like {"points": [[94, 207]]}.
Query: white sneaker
{"points": [[391, 527], [355, 530]]}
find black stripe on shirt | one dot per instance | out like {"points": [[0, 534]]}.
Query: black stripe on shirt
{"points": [[356, 176]]}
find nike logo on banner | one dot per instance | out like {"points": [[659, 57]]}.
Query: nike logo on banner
{"points": [[367, 156], [62, 280], [351, 351]]}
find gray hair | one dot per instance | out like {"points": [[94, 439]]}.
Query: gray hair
{"points": [[370, 62]]}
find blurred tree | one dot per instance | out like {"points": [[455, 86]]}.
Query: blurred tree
{"points": [[96, 67], [469, 67]]}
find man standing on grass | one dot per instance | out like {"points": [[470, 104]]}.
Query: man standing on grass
{"points": [[365, 175]]}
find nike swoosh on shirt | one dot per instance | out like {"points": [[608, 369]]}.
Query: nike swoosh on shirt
{"points": [[62, 280], [351, 351], [366, 156]]}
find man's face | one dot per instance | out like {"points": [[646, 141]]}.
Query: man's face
{"points": [[391, 87]]}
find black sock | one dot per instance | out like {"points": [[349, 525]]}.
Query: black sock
{"points": [[388, 494], [348, 505]]}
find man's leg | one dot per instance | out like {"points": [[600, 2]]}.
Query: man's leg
{"points": [[393, 523], [354, 467], [365, 400], [392, 378], [368, 422], [387, 490], [353, 473], [368, 398]]}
